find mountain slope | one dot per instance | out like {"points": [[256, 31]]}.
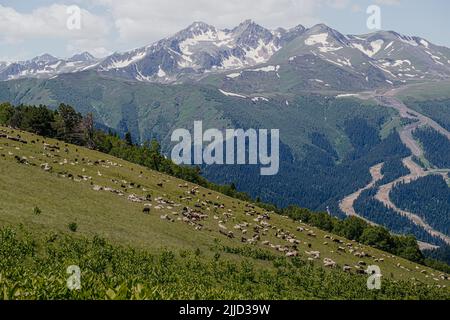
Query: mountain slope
{"points": [[106, 196]]}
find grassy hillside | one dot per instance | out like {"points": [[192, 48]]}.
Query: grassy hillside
{"points": [[46, 186], [426, 91]]}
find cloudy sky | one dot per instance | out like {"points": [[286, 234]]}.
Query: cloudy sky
{"points": [[30, 28]]}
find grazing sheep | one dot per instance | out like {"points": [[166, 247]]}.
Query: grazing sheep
{"points": [[347, 268], [292, 254], [46, 167], [313, 254], [166, 217], [146, 210], [228, 234], [328, 263]]}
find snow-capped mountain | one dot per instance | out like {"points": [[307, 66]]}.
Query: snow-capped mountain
{"points": [[403, 57], [201, 49], [388, 55], [47, 66], [83, 57]]}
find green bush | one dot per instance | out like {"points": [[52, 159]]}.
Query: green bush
{"points": [[73, 226]]}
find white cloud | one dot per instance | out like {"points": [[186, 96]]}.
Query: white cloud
{"points": [[388, 2], [150, 20], [48, 22], [110, 25]]}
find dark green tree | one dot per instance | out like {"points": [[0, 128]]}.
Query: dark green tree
{"points": [[6, 112], [128, 139]]}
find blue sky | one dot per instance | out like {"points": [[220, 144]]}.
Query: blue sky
{"points": [[30, 28]]}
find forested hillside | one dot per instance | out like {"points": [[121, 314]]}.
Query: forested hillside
{"points": [[436, 146], [428, 197], [375, 211]]}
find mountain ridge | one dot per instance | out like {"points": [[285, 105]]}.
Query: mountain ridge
{"points": [[202, 49]]}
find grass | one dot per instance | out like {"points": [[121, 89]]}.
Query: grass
{"points": [[426, 91], [63, 200], [114, 272]]}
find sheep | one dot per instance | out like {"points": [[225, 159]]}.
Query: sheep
{"points": [[166, 217], [46, 167], [228, 234], [313, 254], [328, 263], [347, 268], [146, 210], [292, 254]]}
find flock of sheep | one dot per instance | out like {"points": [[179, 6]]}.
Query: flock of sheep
{"points": [[195, 208]]}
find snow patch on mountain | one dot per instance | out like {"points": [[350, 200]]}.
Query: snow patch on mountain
{"points": [[122, 63], [373, 48], [267, 69], [256, 99], [321, 39], [231, 94], [234, 75]]}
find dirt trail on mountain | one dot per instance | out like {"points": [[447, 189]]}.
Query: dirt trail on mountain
{"points": [[346, 205], [406, 135], [383, 195], [403, 109]]}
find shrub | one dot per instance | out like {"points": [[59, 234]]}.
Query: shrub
{"points": [[73, 226]]}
